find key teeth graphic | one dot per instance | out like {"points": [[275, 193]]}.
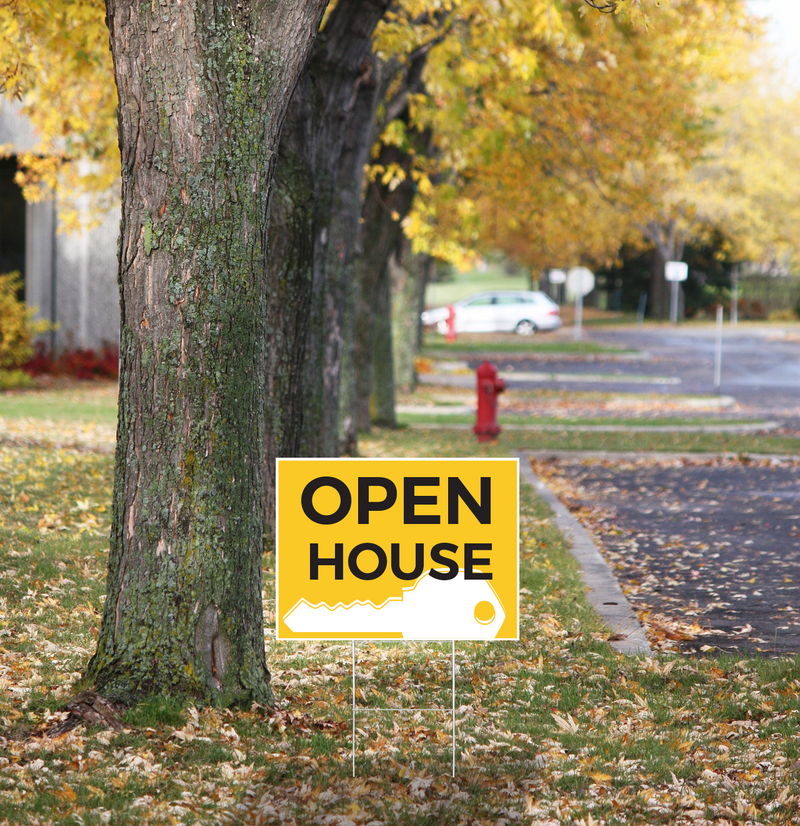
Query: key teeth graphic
{"points": [[428, 609]]}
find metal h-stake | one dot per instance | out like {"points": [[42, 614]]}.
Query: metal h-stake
{"points": [[453, 708]]}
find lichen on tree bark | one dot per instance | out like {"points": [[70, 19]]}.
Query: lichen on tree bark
{"points": [[203, 89]]}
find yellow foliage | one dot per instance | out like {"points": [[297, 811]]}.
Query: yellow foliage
{"points": [[17, 327], [557, 134], [54, 57]]}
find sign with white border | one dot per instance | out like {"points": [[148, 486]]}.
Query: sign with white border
{"points": [[416, 549], [676, 271]]}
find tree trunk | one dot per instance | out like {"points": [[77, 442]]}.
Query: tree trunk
{"points": [[384, 209], [410, 275], [203, 89], [667, 246], [383, 384], [345, 249], [315, 227]]}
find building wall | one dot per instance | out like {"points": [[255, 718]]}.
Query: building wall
{"points": [[70, 277]]}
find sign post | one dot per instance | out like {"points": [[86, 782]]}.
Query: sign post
{"points": [[414, 549], [718, 351], [580, 282], [675, 271]]}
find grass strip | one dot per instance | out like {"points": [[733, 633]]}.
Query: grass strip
{"points": [[443, 417], [441, 349], [422, 441], [552, 728]]}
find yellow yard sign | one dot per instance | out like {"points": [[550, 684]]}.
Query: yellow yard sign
{"points": [[397, 549]]}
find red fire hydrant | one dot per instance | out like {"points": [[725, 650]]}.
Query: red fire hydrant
{"points": [[451, 323], [489, 386]]}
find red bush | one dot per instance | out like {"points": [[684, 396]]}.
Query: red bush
{"points": [[78, 363]]}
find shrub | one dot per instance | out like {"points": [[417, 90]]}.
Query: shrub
{"points": [[784, 315], [14, 379], [80, 363], [17, 327], [89, 364]]}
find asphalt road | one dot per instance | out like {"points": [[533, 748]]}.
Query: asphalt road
{"points": [[710, 543], [760, 368]]}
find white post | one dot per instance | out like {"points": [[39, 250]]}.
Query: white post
{"points": [[673, 307], [453, 675], [718, 353], [353, 740], [578, 317], [642, 308]]}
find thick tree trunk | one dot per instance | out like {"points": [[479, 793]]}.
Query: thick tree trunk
{"points": [[345, 249], [323, 148], [203, 90]]}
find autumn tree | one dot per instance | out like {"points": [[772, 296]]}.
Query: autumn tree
{"points": [[533, 135], [315, 232], [203, 89], [54, 58]]}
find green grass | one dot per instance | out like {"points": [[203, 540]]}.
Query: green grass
{"points": [[441, 349], [433, 442], [81, 403], [467, 283], [611, 320], [428, 417], [555, 727]]}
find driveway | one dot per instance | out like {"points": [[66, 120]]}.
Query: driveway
{"points": [[760, 367], [707, 550]]}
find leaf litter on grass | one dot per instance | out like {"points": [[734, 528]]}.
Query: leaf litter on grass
{"points": [[554, 728]]}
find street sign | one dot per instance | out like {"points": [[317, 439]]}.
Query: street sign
{"points": [[676, 271], [397, 549], [580, 281], [557, 276]]}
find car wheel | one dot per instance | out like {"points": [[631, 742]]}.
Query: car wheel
{"points": [[525, 328]]}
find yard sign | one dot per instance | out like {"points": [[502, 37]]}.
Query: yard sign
{"points": [[416, 549]]}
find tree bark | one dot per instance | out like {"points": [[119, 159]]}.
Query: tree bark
{"points": [[315, 230], [344, 251], [203, 89], [384, 209], [383, 383], [410, 275], [667, 246]]}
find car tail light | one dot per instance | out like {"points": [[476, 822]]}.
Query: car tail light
{"points": [[554, 311]]}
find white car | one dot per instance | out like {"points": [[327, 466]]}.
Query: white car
{"points": [[500, 311]]}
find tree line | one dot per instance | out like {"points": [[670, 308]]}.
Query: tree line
{"points": [[287, 171]]}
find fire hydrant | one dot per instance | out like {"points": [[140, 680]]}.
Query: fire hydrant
{"points": [[451, 323], [489, 386]]}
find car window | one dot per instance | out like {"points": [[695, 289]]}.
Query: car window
{"points": [[482, 301], [509, 299]]}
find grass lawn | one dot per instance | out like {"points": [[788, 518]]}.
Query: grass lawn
{"points": [[466, 346], [80, 402], [422, 441], [554, 728], [494, 277], [440, 415]]}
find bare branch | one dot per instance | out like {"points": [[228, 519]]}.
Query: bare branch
{"points": [[602, 6]]}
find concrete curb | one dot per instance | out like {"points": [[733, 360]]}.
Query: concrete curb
{"points": [[604, 592], [658, 456]]}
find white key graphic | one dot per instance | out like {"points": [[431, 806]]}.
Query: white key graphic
{"points": [[430, 609]]}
